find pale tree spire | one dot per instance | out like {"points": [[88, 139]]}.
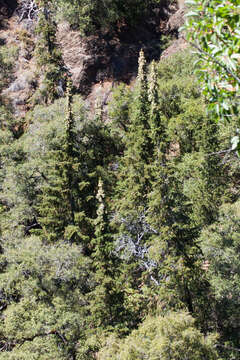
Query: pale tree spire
{"points": [[142, 73], [153, 97], [153, 88], [69, 98], [101, 206], [141, 66]]}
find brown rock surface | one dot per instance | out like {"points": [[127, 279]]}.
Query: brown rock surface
{"points": [[96, 62], [112, 56], [22, 84], [177, 45], [176, 20]]}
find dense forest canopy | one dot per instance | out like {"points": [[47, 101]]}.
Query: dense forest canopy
{"points": [[119, 222]]}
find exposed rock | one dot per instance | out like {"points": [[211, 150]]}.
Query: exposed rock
{"points": [[19, 84], [177, 45], [109, 56], [181, 3], [95, 62], [176, 20], [98, 99], [23, 82]]}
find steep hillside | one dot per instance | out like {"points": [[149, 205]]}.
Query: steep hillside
{"points": [[119, 191], [109, 56]]}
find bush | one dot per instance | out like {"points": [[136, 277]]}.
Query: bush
{"points": [[94, 15], [221, 243], [170, 337]]}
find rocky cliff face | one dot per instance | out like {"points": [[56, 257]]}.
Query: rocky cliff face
{"points": [[175, 21], [112, 56], [94, 62]]}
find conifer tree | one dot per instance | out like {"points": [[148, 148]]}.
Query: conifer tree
{"points": [[157, 127], [202, 173], [173, 246], [134, 178], [172, 242], [106, 311], [48, 54], [211, 187], [182, 200], [61, 206], [131, 203]]}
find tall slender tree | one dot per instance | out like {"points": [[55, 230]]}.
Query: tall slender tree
{"points": [[107, 311], [210, 187], [158, 133], [62, 201], [172, 245], [48, 54], [134, 180], [131, 202]]}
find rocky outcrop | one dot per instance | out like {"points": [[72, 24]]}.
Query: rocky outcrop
{"points": [[173, 25], [113, 56], [176, 20], [22, 76], [97, 62], [176, 46]]}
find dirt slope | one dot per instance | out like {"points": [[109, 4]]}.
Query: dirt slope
{"points": [[97, 62]]}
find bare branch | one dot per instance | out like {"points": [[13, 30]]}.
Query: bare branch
{"points": [[132, 243], [27, 9]]}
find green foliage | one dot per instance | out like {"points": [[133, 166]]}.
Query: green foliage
{"points": [[133, 185], [42, 299], [220, 243], [61, 214], [170, 185], [119, 109], [158, 131], [37, 276], [107, 313], [49, 59], [134, 173], [172, 337], [185, 192], [8, 57], [213, 29], [25, 165], [29, 163], [100, 221], [92, 16], [8, 122]]}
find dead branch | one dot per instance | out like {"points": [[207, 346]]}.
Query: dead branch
{"points": [[27, 9]]}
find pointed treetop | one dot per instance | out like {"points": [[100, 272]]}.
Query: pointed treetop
{"points": [[141, 66], [100, 194], [101, 207], [152, 92], [69, 121]]}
